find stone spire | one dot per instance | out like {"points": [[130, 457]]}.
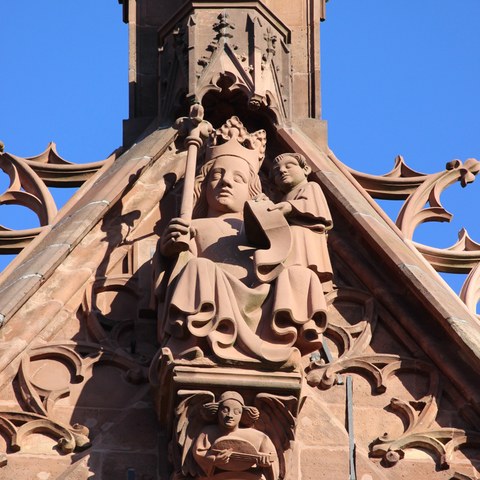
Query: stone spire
{"points": [[227, 55]]}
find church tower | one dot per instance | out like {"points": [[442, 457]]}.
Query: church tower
{"points": [[270, 53], [223, 299]]}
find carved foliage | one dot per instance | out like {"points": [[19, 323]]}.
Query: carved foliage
{"points": [[419, 416], [29, 179], [442, 441]]}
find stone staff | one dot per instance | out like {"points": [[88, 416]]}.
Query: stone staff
{"points": [[196, 130]]}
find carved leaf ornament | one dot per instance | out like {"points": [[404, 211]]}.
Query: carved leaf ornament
{"points": [[17, 426], [419, 416], [37, 411], [422, 204]]}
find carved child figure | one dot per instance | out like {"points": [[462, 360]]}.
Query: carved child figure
{"points": [[217, 304], [305, 208], [232, 445]]}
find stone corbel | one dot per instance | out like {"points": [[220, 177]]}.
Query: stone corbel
{"points": [[192, 393]]}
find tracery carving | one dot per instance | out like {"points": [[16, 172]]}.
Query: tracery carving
{"points": [[443, 442], [29, 181], [55, 171], [17, 426], [414, 212], [28, 190], [352, 342], [397, 184], [423, 204], [70, 363], [103, 327], [470, 292], [228, 439], [80, 357]]}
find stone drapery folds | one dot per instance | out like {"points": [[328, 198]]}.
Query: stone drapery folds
{"points": [[249, 289]]}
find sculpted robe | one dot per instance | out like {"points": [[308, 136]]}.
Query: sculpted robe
{"points": [[202, 451], [218, 303], [310, 220]]}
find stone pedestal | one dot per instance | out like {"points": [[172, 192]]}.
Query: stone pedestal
{"points": [[203, 407], [174, 376]]}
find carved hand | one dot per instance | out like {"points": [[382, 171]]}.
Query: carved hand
{"points": [[178, 228], [264, 460], [284, 207], [223, 457], [261, 198]]}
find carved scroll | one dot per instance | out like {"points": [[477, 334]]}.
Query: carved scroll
{"points": [[70, 364], [17, 426], [442, 442], [419, 416], [422, 193]]}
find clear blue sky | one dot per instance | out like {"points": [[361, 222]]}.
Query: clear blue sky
{"points": [[402, 77], [398, 77]]}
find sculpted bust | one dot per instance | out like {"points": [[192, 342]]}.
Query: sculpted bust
{"points": [[249, 289], [231, 444]]}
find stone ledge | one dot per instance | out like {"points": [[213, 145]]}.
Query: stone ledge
{"points": [[33, 266]]}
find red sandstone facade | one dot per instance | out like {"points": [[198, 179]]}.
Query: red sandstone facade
{"points": [[329, 348]]}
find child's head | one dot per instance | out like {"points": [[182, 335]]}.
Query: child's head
{"points": [[289, 170]]}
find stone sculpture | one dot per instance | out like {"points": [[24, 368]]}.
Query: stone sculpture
{"points": [[221, 440], [307, 212], [226, 446], [249, 287]]}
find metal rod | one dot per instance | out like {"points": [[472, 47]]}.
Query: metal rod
{"points": [[329, 356], [351, 437]]}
